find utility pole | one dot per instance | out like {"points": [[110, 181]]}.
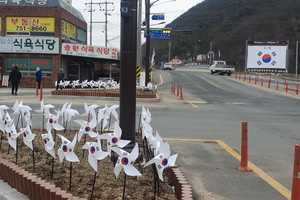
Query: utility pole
{"points": [[148, 6], [128, 67], [91, 18]]}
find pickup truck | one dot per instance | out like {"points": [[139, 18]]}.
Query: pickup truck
{"points": [[220, 67]]}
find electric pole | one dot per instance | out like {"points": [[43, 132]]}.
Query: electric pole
{"points": [[91, 17]]}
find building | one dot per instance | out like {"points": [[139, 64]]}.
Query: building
{"points": [[49, 34]]}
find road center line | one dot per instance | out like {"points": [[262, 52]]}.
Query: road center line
{"points": [[275, 184], [192, 104]]}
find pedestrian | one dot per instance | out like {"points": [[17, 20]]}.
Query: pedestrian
{"points": [[14, 77], [60, 77], [38, 77]]}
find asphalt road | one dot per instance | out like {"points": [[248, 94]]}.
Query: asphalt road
{"points": [[205, 130]]}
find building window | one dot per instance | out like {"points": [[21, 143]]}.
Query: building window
{"points": [[27, 66]]}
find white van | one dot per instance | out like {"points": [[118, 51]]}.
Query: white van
{"points": [[168, 66]]}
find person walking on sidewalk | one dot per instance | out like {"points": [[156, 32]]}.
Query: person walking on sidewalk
{"points": [[38, 77], [60, 77], [15, 78]]}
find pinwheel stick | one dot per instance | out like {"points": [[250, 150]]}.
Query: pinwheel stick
{"points": [[1, 136], [33, 160], [70, 183], [84, 141], [17, 147], [123, 198], [52, 163], [93, 187]]}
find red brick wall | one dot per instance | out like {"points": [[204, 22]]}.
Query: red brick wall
{"points": [[31, 11]]}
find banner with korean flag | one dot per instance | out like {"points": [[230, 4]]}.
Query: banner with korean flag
{"points": [[269, 56]]}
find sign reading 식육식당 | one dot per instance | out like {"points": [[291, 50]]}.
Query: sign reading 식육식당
{"points": [[29, 45], [89, 51]]}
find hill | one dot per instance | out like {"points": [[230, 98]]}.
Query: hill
{"points": [[226, 25]]}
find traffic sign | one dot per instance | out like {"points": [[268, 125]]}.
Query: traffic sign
{"points": [[158, 17], [159, 34]]}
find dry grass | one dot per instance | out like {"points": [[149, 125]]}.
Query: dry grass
{"points": [[106, 187]]}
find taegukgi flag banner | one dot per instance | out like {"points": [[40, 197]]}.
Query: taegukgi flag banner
{"points": [[266, 55]]}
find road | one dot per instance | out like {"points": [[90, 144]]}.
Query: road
{"points": [[213, 108], [205, 130]]}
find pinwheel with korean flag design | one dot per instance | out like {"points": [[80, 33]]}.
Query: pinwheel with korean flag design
{"points": [[67, 113], [24, 112], [103, 116], [2, 108], [125, 161], [86, 128], [52, 121], [28, 136], [154, 143], [163, 159], [95, 153], [67, 149], [6, 122], [49, 143], [114, 139], [12, 136]]}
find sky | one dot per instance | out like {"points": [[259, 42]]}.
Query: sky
{"points": [[171, 8]]}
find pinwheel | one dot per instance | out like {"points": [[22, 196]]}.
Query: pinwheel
{"points": [[28, 136], [52, 121], [26, 115], [126, 161], [90, 110], [163, 159], [95, 153], [154, 143], [146, 129], [112, 110], [103, 114], [49, 143], [2, 108], [44, 107], [12, 136], [6, 123], [67, 113], [114, 139], [67, 149], [86, 128]]}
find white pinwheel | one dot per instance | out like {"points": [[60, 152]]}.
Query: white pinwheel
{"points": [[2, 108], [114, 139], [154, 143], [104, 114], [52, 121], [67, 112], [163, 159], [28, 136], [90, 109], [6, 122], [147, 130], [95, 153], [44, 107], [26, 115], [126, 161], [12, 136], [86, 128], [67, 149], [112, 110], [49, 143]]}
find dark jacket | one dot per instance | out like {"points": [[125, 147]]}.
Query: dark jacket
{"points": [[38, 75], [15, 76], [60, 76]]}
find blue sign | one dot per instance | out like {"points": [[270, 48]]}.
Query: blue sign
{"points": [[158, 17], [158, 35]]}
